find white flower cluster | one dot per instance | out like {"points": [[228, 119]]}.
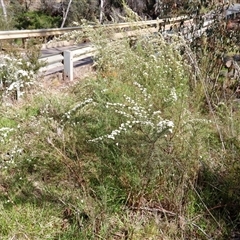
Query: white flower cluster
{"points": [[143, 90], [172, 96], [78, 106], [198, 120], [12, 76], [8, 159], [4, 133], [136, 114], [165, 125], [73, 35]]}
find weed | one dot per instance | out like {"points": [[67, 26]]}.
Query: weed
{"points": [[134, 152]]}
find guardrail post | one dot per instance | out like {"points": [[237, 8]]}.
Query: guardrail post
{"points": [[68, 65], [18, 93], [158, 25]]}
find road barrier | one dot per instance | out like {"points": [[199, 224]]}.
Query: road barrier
{"points": [[65, 61], [24, 34]]}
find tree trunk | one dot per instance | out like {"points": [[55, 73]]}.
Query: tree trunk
{"points": [[101, 11], [65, 15], [4, 9]]}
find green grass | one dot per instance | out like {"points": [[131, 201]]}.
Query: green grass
{"points": [[133, 152], [29, 221]]}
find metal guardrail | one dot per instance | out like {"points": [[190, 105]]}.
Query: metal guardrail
{"points": [[23, 34], [18, 34], [65, 60]]}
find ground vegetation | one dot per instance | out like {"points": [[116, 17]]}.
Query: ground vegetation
{"points": [[145, 147]]}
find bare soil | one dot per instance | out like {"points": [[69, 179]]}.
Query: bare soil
{"points": [[55, 82]]}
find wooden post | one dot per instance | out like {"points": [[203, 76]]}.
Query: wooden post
{"points": [[68, 65]]}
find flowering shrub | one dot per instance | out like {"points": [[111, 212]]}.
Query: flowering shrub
{"points": [[4, 133], [77, 36], [15, 75], [137, 114], [73, 35], [132, 119]]}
